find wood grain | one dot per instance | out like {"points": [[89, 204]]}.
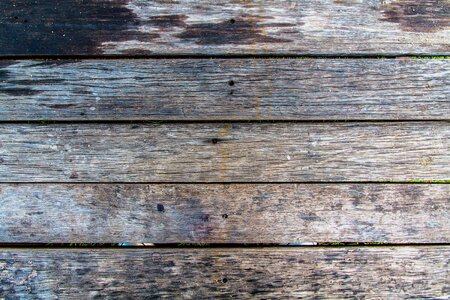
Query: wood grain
{"points": [[263, 89], [205, 27], [356, 273], [224, 213], [229, 152]]}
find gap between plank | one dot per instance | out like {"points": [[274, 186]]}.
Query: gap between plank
{"points": [[152, 246], [437, 181], [226, 56], [237, 121]]}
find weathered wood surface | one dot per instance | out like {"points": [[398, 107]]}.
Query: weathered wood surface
{"points": [[224, 27], [224, 213], [332, 273], [185, 89], [229, 152]]}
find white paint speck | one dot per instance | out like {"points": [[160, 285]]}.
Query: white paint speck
{"points": [[92, 108], [288, 157]]}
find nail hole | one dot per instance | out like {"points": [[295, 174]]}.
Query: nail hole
{"points": [[214, 141], [224, 216], [82, 114], [25, 21], [231, 83], [231, 92], [160, 207], [224, 280], [232, 21], [16, 17]]}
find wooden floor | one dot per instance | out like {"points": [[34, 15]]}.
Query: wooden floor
{"points": [[247, 149]]}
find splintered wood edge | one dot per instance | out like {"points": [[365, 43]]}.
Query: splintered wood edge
{"points": [[400, 272], [204, 27]]}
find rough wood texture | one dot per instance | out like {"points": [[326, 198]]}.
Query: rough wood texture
{"points": [[268, 89], [230, 152], [333, 273], [224, 27], [263, 152], [235, 213]]}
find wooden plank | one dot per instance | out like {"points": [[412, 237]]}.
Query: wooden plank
{"points": [[185, 89], [224, 213], [360, 273], [130, 27], [229, 152]]}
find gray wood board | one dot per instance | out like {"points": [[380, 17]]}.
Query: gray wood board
{"points": [[199, 89], [228, 152], [224, 213], [373, 273], [130, 27]]}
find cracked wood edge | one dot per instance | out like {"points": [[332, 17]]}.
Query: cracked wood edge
{"points": [[186, 89], [229, 152], [224, 213]]}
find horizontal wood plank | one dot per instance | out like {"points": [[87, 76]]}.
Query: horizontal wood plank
{"points": [[375, 273], [130, 27], [224, 89], [229, 152], [224, 213]]}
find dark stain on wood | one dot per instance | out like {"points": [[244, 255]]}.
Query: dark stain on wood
{"points": [[167, 21], [160, 207], [418, 16], [54, 63], [22, 87], [18, 91], [58, 106], [60, 27], [200, 225], [4, 74], [240, 31], [36, 82]]}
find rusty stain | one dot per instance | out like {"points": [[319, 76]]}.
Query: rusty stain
{"points": [[344, 2], [257, 98], [224, 150], [270, 77], [418, 16], [242, 31]]}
